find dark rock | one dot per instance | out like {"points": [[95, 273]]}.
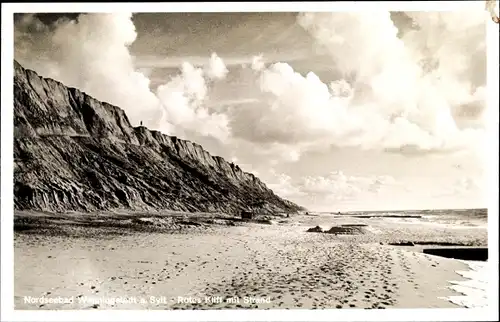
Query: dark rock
{"points": [[346, 230], [74, 153], [263, 221], [404, 243], [316, 229]]}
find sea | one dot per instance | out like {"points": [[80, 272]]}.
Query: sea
{"points": [[474, 289]]}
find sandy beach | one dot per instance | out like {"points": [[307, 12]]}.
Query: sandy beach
{"points": [[273, 264]]}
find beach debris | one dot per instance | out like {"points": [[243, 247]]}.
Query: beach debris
{"points": [[346, 230], [316, 229], [245, 214], [405, 243]]}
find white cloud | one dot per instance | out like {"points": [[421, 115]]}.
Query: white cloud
{"points": [[216, 68], [338, 191], [330, 190], [183, 99], [93, 55], [391, 101], [388, 98], [283, 186], [258, 63], [463, 187]]}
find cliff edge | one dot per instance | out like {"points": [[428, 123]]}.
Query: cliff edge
{"points": [[75, 153]]}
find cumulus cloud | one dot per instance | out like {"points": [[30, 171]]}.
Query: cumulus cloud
{"points": [[282, 185], [182, 99], [331, 189], [216, 68], [92, 53], [340, 191], [463, 187], [424, 90], [258, 62]]}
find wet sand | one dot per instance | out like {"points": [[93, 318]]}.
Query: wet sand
{"points": [[260, 266]]}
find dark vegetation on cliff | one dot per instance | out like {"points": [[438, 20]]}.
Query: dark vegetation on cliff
{"points": [[74, 153]]}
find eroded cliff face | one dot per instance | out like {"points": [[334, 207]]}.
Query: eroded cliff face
{"points": [[72, 152]]}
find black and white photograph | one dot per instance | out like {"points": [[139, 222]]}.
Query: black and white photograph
{"points": [[253, 160]]}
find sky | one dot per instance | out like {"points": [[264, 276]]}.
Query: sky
{"points": [[334, 111]]}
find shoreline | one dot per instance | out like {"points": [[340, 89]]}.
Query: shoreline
{"points": [[278, 265]]}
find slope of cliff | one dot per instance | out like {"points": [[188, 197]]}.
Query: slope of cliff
{"points": [[72, 152]]}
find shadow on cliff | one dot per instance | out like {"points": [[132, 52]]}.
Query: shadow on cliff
{"points": [[74, 153]]}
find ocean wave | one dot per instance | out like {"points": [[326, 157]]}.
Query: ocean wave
{"points": [[474, 290]]}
